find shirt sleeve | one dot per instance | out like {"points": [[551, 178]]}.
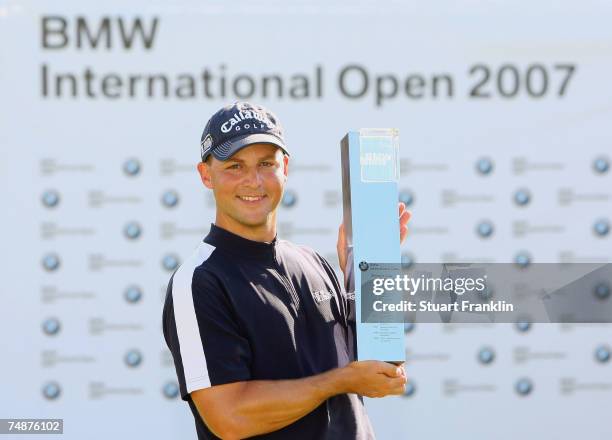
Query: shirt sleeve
{"points": [[202, 333], [347, 305], [347, 299]]}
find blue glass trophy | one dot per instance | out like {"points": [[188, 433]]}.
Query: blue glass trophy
{"points": [[370, 175]]}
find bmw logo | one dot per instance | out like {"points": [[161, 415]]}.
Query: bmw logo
{"points": [[131, 167], [289, 199], [410, 388], [50, 198], [51, 390], [133, 358], [524, 386], [522, 259], [363, 266], [601, 165], [601, 227], [523, 326], [51, 326], [522, 197], [170, 390], [484, 166], [406, 197], [484, 229], [51, 262], [407, 260], [486, 355], [170, 262], [170, 199], [487, 292], [602, 354], [133, 294], [602, 290], [132, 230]]}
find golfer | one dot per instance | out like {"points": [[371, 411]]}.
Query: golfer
{"points": [[261, 331]]}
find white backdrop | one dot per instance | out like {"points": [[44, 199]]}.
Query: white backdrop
{"points": [[54, 146]]}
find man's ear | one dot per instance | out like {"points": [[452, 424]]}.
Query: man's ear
{"points": [[285, 165], [204, 170]]}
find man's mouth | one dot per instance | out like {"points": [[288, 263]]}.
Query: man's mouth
{"points": [[251, 198]]}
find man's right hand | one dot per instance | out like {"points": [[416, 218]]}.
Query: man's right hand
{"points": [[374, 378], [253, 407]]}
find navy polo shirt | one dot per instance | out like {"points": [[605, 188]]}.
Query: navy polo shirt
{"points": [[241, 310]]}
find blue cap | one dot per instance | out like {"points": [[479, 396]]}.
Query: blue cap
{"points": [[237, 126]]}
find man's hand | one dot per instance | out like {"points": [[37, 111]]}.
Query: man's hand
{"points": [[375, 378], [404, 217], [244, 409]]}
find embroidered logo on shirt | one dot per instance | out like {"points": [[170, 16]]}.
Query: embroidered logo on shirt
{"points": [[322, 295], [349, 295]]}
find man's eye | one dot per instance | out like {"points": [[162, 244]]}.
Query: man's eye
{"points": [[234, 166], [267, 164]]}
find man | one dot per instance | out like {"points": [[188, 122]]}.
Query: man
{"points": [[260, 330]]}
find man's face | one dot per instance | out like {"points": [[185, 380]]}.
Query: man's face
{"points": [[248, 186]]}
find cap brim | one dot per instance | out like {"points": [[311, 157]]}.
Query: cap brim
{"points": [[228, 149]]}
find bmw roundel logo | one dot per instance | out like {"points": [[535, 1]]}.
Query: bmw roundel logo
{"points": [[602, 354], [522, 197], [406, 197], [410, 388], [601, 165], [289, 199], [133, 358], [50, 198], [51, 326], [51, 262], [602, 290], [524, 386], [487, 292], [51, 390], [522, 259], [484, 166], [170, 198], [170, 262], [407, 260], [601, 227], [170, 390], [132, 230], [133, 294], [131, 167], [485, 229], [486, 355], [523, 326], [363, 266]]}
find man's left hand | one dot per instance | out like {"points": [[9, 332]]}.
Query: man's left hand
{"points": [[404, 217]]}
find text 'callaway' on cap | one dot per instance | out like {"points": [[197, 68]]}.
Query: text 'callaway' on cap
{"points": [[237, 126]]}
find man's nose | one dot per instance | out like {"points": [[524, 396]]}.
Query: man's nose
{"points": [[253, 178]]}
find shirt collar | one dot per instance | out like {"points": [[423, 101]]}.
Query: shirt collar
{"points": [[240, 246]]}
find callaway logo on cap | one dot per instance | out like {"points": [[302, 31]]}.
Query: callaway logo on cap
{"points": [[237, 126]]}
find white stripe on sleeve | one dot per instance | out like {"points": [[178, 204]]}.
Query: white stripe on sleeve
{"points": [[188, 332]]}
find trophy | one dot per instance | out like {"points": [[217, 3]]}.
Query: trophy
{"points": [[370, 175]]}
